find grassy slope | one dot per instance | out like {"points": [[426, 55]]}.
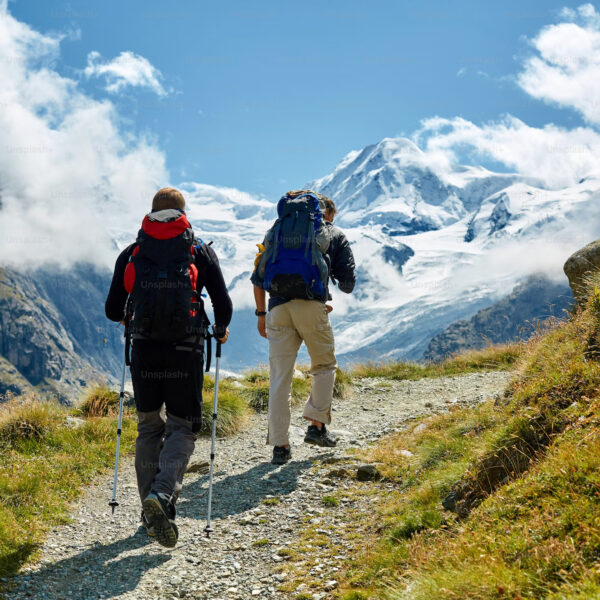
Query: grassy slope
{"points": [[44, 461], [493, 358], [526, 480]]}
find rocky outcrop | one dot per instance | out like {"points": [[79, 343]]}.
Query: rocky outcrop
{"points": [[500, 216], [579, 265], [11, 381], [54, 337], [513, 318], [397, 255], [78, 294]]}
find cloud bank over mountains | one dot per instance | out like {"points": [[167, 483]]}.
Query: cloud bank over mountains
{"points": [[71, 172]]}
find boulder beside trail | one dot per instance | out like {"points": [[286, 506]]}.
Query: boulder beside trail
{"points": [[367, 473], [578, 265]]}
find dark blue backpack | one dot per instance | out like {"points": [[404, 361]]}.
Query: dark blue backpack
{"points": [[293, 264]]}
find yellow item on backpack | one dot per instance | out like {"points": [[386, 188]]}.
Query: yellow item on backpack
{"points": [[261, 249]]}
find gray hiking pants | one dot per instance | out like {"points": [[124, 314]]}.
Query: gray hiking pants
{"points": [[162, 451], [167, 384]]}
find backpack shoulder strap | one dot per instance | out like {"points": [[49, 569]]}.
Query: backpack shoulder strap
{"points": [[201, 250], [276, 231]]}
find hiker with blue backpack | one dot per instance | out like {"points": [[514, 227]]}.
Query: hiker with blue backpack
{"points": [[301, 253], [156, 293]]}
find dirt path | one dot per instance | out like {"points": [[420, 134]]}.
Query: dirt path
{"points": [[257, 507]]}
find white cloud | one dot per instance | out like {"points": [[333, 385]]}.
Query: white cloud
{"points": [[554, 156], [565, 70], [127, 69], [68, 174]]}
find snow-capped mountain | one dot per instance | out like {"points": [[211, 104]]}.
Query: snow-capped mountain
{"points": [[434, 243], [400, 188]]}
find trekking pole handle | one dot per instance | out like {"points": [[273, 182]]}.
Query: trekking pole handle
{"points": [[218, 355]]}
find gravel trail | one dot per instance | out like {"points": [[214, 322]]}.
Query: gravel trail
{"points": [[257, 507]]}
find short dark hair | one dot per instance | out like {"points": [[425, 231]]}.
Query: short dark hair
{"points": [[168, 197], [329, 204]]}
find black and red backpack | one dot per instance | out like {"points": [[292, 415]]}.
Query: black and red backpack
{"points": [[161, 279]]}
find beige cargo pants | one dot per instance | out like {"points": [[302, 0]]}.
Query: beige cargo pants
{"points": [[288, 325]]}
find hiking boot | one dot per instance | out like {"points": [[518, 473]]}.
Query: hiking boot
{"points": [[319, 437], [146, 525], [281, 455], [160, 513]]}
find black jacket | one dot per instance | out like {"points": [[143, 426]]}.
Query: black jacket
{"points": [[341, 260], [209, 277]]}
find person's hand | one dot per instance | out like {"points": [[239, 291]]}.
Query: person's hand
{"points": [[328, 307], [224, 338], [262, 326]]}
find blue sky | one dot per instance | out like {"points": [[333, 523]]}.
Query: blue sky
{"points": [[267, 95]]}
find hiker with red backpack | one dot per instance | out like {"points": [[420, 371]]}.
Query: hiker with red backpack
{"points": [[156, 293], [299, 255]]}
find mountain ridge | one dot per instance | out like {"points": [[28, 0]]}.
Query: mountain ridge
{"points": [[515, 317]]}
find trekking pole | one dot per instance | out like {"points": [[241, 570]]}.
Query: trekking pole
{"points": [[208, 528], [113, 503]]}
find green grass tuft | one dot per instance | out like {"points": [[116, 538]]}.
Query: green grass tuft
{"points": [[100, 401], [256, 388], [354, 595], [233, 409], [23, 423], [271, 501], [330, 501], [343, 383], [414, 522]]}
